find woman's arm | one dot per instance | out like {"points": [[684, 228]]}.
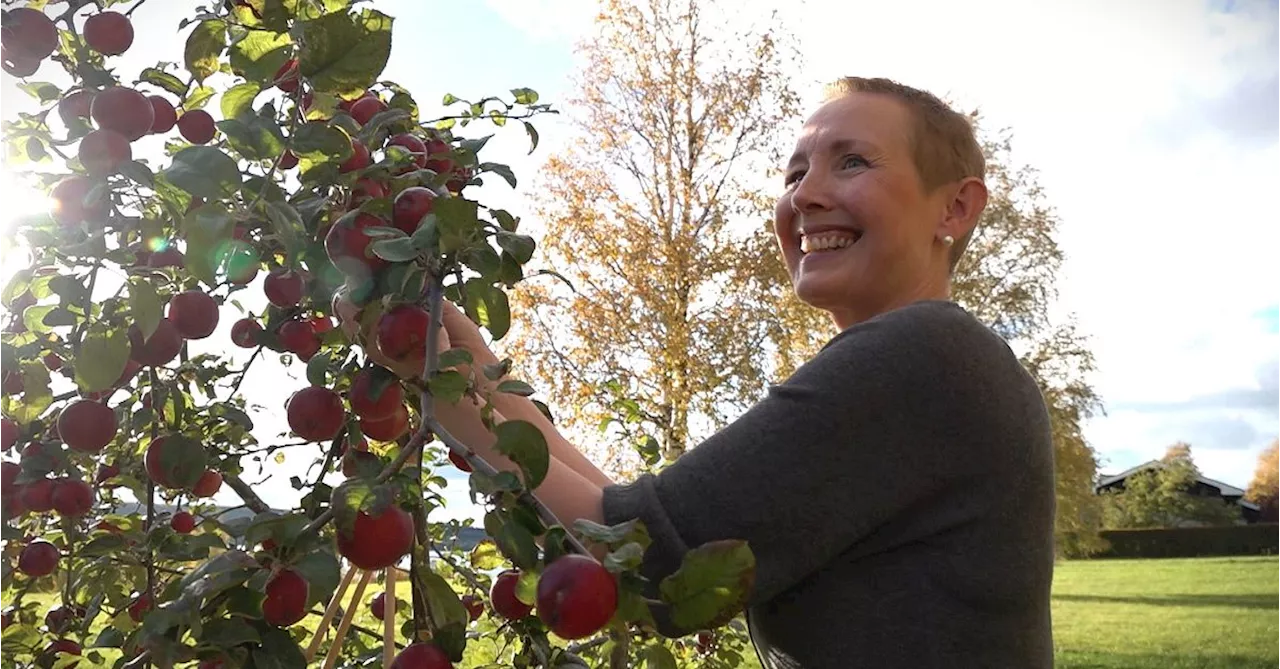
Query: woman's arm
{"points": [[569, 494]]}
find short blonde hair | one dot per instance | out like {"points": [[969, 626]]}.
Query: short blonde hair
{"points": [[943, 144]]}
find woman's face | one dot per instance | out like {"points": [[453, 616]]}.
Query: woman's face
{"points": [[852, 175]]}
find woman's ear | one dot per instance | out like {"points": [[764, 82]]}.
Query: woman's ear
{"points": [[964, 208]]}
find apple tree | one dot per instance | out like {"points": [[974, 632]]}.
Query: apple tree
{"points": [[291, 168]]}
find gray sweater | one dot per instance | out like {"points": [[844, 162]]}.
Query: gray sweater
{"points": [[897, 492]]}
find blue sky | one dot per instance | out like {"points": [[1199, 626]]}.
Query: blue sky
{"points": [[1154, 127]]}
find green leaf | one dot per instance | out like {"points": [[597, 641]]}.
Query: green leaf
{"points": [[527, 447], [533, 136], [626, 558], [525, 96], [36, 396], [207, 230], [102, 357], [287, 224], [320, 142], [346, 53], [277, 651], [657, 656], [184, 459], [43, 91], [520, 247], [445, 606], [516, 387], [239, 99], [255, 138], [454, 357], [317, 367], [322, 572], [613, 535], [259, 55], [512, 539], [198, 98], [138, 173], [503, 171], [485, 556], [488, 306], [163, 80], [397, 249], [711, 586], [204, 47], [228, 632], [145, 306], [204, 171], [448, 386]]}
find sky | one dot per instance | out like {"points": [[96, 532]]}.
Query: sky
{"points": [[1153, 125]]}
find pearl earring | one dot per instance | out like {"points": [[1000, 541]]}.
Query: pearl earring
{"points": [[948, 240]]}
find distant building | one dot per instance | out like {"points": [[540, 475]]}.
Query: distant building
{"points": [[1204, 487]]}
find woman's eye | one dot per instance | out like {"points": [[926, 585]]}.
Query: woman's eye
{"points": [[853, 161], [793, 178]]}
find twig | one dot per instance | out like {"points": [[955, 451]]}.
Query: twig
{"points": [[246, 493], [244, 371], [479, 464], [390, 470]]}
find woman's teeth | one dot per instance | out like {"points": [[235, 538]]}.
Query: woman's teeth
{"points": [[827, 241]]}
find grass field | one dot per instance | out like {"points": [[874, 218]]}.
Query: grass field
{"points": [[1207, 613]]}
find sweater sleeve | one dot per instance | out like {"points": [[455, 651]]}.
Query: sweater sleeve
{"points": [[853, 440]]}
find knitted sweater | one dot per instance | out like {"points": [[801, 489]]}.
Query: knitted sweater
{"points": [[897, 492]]}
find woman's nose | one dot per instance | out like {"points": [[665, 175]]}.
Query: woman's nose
{"points": [[810, 193]]}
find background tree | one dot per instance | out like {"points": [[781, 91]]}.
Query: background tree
{"points": [[1264, 489], [668, 322], [1164, 496]]}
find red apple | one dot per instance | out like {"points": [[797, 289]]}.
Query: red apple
{"points": [[72, 498], [286, 600], [9, 431], [244, 333], [38, 495], [288, 160], [175, 461], [474, 605], [102, 152], [284, 287], [459, 461], [8, 474], [28, 33], [377, 542], [375, 406], [106, 472], [165, 115], [69, 206], [402, 333], [366, 189], [298, 338], [75, 105], [410, 206], [576, 596], [139, 607], [52, 362], [348, 246], [364, 109], [439, 156], [49, 657], [422, 655], [502, 595], [160, 349], [196, 126], [286, 78], [123, 110], [359, 158], [108, 33], [194, 314], [87, 426], [315, 413], [38, 558], [390, 428], [182, 522], [413, 145], [169, 257], [378, 607], [209, 484]]}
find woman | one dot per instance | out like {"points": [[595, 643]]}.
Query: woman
{"points": [[897, 490]]}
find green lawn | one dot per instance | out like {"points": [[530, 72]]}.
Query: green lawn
{"points": [[1206, 613], [1209, 613]]}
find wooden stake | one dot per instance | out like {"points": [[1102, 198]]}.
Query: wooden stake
{"points": [[329, 612], [347, 618], [389, 618]]}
